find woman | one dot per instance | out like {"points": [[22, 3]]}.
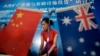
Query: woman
{"points": [[48, 35]]}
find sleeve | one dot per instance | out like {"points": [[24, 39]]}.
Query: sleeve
{"points": [[55, 32]]}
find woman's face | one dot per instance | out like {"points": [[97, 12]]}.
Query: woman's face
{"points": [[44, 25]]}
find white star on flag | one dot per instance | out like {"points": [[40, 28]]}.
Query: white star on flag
{"points": [[97, 44], [93, 53], [66, 21], [69, 49], [81, 40]]}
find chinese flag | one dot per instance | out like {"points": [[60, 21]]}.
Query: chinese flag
{"points": [[17, 37]]}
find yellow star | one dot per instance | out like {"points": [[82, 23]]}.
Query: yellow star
{"points": [[13, 24], [17, 25], [21, 23], [19, 15]]}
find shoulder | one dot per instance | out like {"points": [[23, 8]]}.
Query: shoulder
{"points": [[54, 31]]}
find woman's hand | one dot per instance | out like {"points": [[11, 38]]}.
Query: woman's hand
{"points": [[45, 55], [39, 54]]}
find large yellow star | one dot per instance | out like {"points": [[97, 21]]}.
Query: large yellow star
{"points": [[19, 15]]}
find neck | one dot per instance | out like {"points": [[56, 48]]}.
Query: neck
{"points": [[47, 29]]}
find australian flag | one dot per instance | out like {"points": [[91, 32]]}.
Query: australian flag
{"points": [[79, 31]]}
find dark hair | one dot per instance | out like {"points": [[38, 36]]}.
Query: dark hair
{"points": [[48, 21], [4, 24]]}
